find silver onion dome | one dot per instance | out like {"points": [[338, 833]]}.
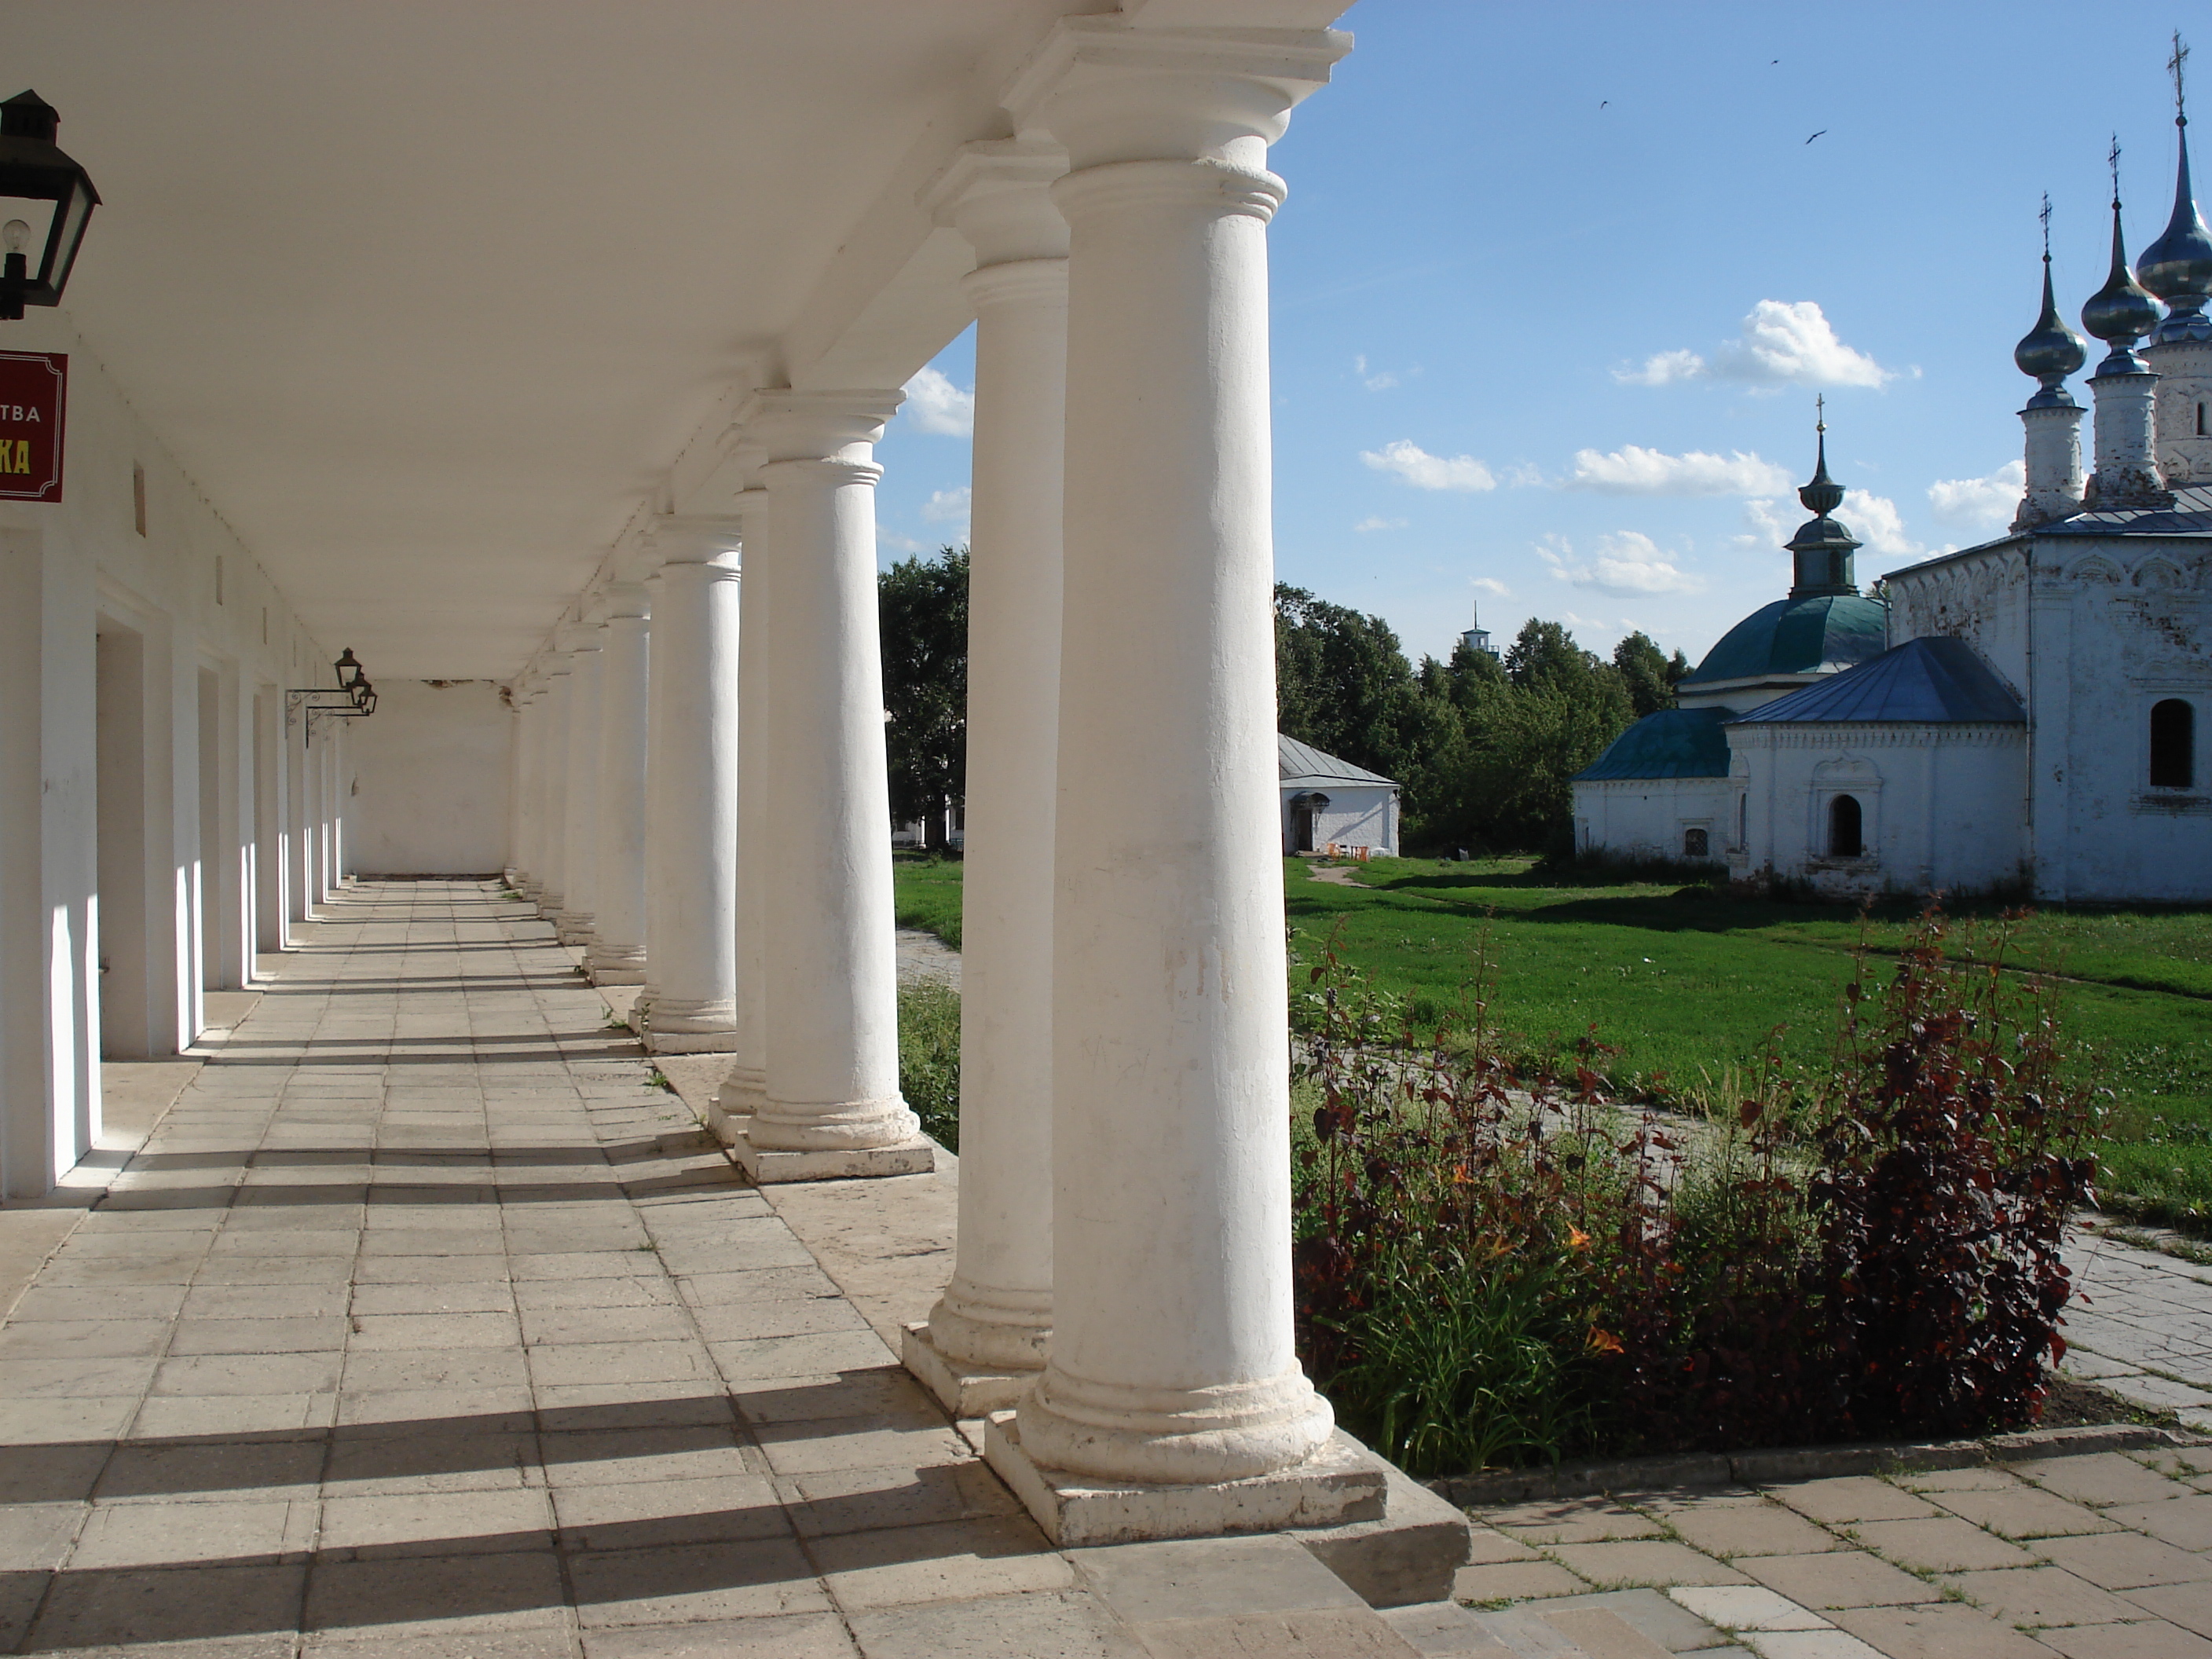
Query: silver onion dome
{"points": [[2051, 350], [2120, 313], [2178, 266]]}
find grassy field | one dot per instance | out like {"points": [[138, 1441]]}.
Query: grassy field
{"points": [[1684, 984]]}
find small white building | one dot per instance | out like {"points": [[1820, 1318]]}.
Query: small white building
{"points": [[1330, 803]]}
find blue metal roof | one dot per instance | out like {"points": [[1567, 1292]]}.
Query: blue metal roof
{"points": [[1675, 743], [1936, 681]]}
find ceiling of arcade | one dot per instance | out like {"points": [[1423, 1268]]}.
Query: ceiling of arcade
{"points": [[432, 299]]}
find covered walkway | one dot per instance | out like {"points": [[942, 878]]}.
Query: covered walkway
{"points": [[425, 1323]]}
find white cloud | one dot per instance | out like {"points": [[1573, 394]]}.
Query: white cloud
{"points": [[1524, 475], [1874, 520], [947, 507], [1625, 562], [886, 536], [1782, 343], [1768, 528], [1380, 380], [1662, 369], [935, 404], [1425, 471], [1987, 502], [1381, 524], [1491, 585], [1635, 470]]}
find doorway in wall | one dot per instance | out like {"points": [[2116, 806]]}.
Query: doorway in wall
{"points": [[126, 1011], [1305, 808]]}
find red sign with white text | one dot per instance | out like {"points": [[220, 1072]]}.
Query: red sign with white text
{"points": [[34, 404]]}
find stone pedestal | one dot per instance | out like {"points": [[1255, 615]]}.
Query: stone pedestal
{"points": [[1339, 1481], [617, 955], [832, 1086], [1172, 1362], [693, 869]]}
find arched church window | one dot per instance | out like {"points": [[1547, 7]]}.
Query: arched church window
{"points": [[2173, 744], [1846, 835], [2200, 420], [1693, 843]]}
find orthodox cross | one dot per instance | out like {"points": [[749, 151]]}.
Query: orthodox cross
{"points": [[1820, 413], [2176, 66]]}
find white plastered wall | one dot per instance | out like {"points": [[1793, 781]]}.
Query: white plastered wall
{"points": [[1354, 817], [1646, 818], [185, 597], [1941, 806], [428, 779]]}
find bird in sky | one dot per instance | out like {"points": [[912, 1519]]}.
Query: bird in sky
{"points": [[1602, 102], [1822, 133]]}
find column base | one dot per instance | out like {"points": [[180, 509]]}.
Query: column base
{"points": [[1342, 1482], [767, 1166], [574, 931], [960, 1387], [658, 1042], [616, 965], [548, 905]]}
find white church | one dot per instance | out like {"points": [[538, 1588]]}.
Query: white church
{"points": [[2028, 712]]}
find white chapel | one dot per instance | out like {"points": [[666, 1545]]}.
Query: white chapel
{"points": [[2027, 714]]}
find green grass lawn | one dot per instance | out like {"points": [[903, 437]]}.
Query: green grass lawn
{"points": [[1685, 984]]}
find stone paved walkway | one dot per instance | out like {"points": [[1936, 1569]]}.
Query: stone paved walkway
{"points": [[2141, 1325], [423, 1326]]}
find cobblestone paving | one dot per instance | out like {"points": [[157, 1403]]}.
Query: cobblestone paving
{"points": [[2102, 1556], [2141, 1325]]}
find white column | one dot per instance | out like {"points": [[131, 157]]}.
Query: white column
{"points": [[744, 1085], [580, 848], [529, 785], [553, 808], [1172, 1358], [617, 951], [832, 1105], [518, 770], [692, 866], [995, 1315]]}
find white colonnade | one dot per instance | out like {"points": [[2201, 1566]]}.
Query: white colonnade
{"points": [[744, 1085], [581, 843]]}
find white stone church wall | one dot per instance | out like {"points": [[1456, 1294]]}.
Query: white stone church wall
{"points": [[1941, 806], [1982, 598], [181, 915], [2125, 623], [429, 778], [1650, 817]]}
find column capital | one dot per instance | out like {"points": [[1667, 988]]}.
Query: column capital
{"points": [[626, 602], [1111, 92], [575, 637], [993, 192], [696, 538], [818, 425]]}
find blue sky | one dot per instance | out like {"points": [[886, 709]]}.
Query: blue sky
{"points": [[1560, 358]]}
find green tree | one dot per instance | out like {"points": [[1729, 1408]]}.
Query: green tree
{"points": [[923, 615], [1649, 673]]}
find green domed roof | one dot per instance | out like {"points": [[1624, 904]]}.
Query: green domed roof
{"points": [[1818, 635]]}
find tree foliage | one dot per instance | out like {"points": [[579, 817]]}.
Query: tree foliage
{"points": [[1484, 748], [922, 618]]}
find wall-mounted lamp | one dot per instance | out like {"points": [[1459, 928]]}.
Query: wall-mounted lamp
{"points": [[359, 696], [50, 190]]}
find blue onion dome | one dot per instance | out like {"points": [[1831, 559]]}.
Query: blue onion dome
{"points": [[2051, 350], [2178, 266], [2120, 313]]}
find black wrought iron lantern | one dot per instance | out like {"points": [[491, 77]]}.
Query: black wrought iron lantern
{"points": [[354, 682], [42, 192]]}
